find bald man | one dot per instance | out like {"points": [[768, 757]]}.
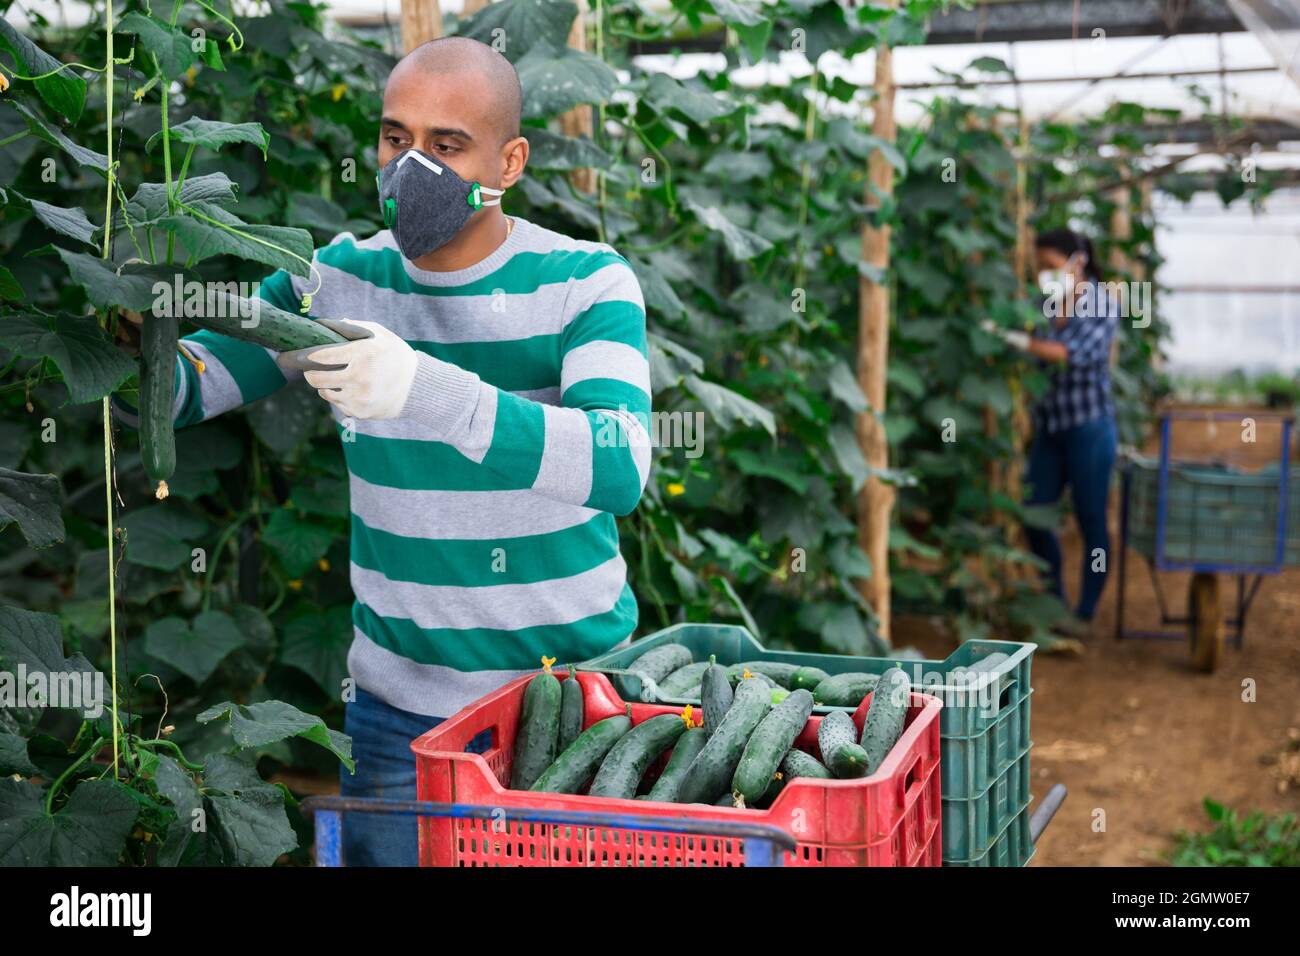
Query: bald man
{"points": [[493, 419]]}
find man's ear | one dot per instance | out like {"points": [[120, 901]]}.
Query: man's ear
{"points": [[515, 158]]}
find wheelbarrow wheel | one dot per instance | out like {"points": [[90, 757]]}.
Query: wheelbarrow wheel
{"points": [[1204, 621]]}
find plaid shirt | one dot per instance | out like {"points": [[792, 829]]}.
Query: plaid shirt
{"points": [[1079, 392]]}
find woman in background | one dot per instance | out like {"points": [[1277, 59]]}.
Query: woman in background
{"points": [[1075, 436]]}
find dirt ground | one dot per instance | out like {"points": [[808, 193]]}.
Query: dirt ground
{"points": [[1137, 736]]}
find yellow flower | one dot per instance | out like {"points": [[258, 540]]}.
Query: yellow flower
{"points": [[190, 74], [4, 82], [337, 91], [762, 360], [676, 488], [295, 585], [323, 564]]}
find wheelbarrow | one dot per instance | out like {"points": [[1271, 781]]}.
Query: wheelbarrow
{"points": [[1210, 519]]}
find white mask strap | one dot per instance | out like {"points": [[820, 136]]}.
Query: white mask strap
{"points": [[421, 159]]}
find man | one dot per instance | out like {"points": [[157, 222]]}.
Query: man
{"points": [[492, 423]]}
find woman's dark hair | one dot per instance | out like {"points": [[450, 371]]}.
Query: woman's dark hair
{"points": [[1067, 242]]}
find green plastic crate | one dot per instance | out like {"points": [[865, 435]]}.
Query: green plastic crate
{"points": [[1213, 514], [1013, 846], [984, 743]]}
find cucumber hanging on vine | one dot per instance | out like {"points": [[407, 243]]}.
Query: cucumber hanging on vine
{"points": [[158, 340], [270, 327]]}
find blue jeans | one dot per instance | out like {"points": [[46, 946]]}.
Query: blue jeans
{"points": [[381, 743], [1083, 458]]}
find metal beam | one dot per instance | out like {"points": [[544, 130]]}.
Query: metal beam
{"points": [[1003, 21]]}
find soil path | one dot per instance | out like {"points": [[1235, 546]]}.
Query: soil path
{"points": [[1139, 738]]}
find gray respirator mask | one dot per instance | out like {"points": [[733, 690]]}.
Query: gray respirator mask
{"points": [[425, 203]]}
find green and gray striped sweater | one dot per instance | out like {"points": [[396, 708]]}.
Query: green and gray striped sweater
{"points": [[483, 532]]}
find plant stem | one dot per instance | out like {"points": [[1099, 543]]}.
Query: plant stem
{"points": [[107, 410], [14, 138], [174, 748], [95, 748], [216, 555]]}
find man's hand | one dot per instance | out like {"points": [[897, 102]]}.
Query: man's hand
{"points": [[376, 379], [1017, 340]]}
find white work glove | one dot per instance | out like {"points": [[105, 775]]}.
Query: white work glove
{"points": [[1017, 340], [377, 378]]}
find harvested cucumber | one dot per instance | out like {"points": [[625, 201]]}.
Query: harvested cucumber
{"points": [[990, 662], [715, 695], [845, 690], [711, 771], [658, 662], [768, 744], [774, 788], [571, 710], [777, 671], [799, 764], [688, 745], [837, 738], [808, 678], [157, 393], [885, 716], [272, 328], [625, 765], [680, 681], [538, 732], [582, 758]]}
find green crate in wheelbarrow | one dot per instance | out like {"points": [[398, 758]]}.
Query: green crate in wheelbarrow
{"points": [[983, 735], [1214, 514]]}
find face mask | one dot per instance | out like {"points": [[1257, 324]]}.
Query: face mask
{"points": [[425, 203]]}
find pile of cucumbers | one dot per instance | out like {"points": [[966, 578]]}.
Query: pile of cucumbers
{"points": [[668, 671], [742, 755]]}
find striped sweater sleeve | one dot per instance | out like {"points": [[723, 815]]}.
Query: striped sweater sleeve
{"points": [[234, 373], [593, 449]]}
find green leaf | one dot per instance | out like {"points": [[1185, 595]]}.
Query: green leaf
{"points": [[555, 84], [161, 535], [844, 386], [67, 222], [212, 55], [270, 721], [844, 633], [297, 542], [700, 106], [182, 845], [132, 289], [193, 649], [741, 243], [169, 46], [848, 454], [91, 364], [252, 827], [150, 200], [64, 91], [547, 150], [737, 12], [203, 239], [10, 288], [317, 644], [90, 830], [769, 466], [518, 27], [729, 408], [33, 502], [287, 418], [213, 134], [13, 756], [52, 135]]}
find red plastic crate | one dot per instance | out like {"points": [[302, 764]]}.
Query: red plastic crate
{"points": [[891, 818]]}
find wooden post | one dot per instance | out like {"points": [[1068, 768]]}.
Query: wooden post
{"points": [[876, 499], [421, 22], [577, 122], [471, 7]]}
